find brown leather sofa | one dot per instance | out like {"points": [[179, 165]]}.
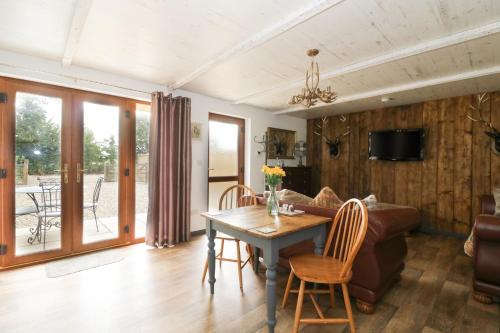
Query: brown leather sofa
{"points": [[380, 260], [486, 280]]}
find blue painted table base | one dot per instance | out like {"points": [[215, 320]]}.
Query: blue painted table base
{"points": [[271, 247]]}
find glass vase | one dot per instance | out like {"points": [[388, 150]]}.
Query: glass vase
{"points": [[272, 201]]}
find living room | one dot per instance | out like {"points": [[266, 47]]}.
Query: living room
{"points": [[263, 166]]}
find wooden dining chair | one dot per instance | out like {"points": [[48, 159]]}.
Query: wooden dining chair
{"points": [[333, 267], [233, 197]]}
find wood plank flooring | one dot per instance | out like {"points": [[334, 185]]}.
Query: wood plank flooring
{"points": [[160, 290]]}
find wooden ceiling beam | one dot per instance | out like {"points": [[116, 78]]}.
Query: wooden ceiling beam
{"points": [[289, 22], [436, 44], [82, 9], [402, 88]]}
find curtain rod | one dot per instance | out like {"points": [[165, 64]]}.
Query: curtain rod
{"points": [[73, 78]]}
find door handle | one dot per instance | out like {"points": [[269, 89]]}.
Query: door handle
{"points": [[79, 172], [64, 171]]}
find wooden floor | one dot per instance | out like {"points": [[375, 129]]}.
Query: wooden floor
{"points": [[155, 290]]}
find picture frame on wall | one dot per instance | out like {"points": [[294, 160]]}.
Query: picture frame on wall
{"points": [[280, 144], [196, 131]]}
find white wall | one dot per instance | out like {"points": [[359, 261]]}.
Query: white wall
{"points": [[257, 120], [256, 123]]}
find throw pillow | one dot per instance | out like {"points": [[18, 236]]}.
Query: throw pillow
{"points": [[496, 195], [469, 245], [326, 198], [293, 197], [370, 201]]}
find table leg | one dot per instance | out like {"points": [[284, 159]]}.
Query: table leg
{"points": [[211, 256], [33, 198], [319, 245], [271, 260], [319, 241], [256, 255]]}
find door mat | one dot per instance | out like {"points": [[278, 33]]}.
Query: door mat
{"points": [[81, 263]]}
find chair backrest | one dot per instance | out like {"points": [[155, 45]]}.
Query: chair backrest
{"points": [[97, 190], [48, 180], [51, 197], [347, 234], [237, 196]]}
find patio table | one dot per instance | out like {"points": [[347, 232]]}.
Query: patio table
{"points": [[31, 192]]}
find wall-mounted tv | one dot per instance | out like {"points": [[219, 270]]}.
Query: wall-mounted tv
{"points": [[397, 144]]}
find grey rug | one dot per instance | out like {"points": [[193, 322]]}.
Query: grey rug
{"points": [[80, 263]]}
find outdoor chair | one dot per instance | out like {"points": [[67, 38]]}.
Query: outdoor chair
{"points": [[50, 210], [95, 199]]}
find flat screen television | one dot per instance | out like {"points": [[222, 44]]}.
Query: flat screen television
{"points": [[397, 144]]}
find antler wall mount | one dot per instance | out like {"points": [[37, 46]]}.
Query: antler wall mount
{"points": [[492, 132], [333, 144]]}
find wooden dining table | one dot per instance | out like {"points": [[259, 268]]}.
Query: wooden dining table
{"points": [[247, 223]]}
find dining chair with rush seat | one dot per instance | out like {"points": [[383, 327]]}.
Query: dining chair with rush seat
{"points": [[333, 267], [233, 197]]}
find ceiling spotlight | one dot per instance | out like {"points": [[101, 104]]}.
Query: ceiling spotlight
{"points": [[386, 99]]}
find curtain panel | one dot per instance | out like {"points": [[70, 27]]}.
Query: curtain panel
{"points": [[169, 210]]}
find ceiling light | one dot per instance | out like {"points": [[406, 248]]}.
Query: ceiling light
{"points": [[311, 93], [386, 99]]}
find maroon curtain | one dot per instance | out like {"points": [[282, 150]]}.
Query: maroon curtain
{"points": [[169, 211]]}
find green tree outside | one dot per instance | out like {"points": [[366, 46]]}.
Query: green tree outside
{"points": [[38, 140]]}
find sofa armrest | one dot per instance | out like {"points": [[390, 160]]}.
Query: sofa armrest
{"points": [[488, 204], [487, 227]]}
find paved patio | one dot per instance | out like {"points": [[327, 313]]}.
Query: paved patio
{"points": [[107, 212]]}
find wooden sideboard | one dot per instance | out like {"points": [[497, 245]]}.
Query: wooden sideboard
{"points": [[298, 179]]}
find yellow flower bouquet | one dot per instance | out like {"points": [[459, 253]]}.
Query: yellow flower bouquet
{"points": [[273, 178], [273, 175]]}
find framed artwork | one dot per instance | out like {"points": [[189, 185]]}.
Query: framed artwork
{"points": [[280, 143], [196, 131]]}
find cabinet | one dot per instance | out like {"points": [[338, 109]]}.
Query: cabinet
{"points": [[298, 179]]}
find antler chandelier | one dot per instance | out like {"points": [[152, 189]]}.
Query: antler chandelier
{"points": [[311, 93]]}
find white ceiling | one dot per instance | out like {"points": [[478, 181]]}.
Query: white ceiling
{"points": [[254, 51]]}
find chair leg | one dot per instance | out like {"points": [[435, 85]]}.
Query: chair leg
{"points": [[44, 234], [332, 295], [95, 219], [287, 290], [348, 308], [221, 253], [250, 254], [298, 310], [240, 276], [205, 270]]}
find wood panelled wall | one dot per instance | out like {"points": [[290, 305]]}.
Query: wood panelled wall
{"points": [[458, 167]]}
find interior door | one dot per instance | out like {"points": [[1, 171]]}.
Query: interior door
{"points": [[225, 155], [35, 182], [101, 142]]}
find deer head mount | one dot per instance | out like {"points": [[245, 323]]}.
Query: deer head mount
{"points": [[333, 144], [492, 132]]}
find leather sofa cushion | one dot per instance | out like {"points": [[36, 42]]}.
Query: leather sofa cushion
{"points": [[488, 228], [487, 205], [383, 224]]}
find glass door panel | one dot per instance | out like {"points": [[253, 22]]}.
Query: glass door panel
{"points": [[223, 145], [225, 157], [38, 200], [142, 122], [100, 172]]}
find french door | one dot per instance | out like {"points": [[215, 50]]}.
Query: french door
{"points": [[226, 154], [67, 172]]}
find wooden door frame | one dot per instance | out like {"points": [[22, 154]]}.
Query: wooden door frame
{"points": [[7, 157], [123, 162], [240, 178], [12, 86]]}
